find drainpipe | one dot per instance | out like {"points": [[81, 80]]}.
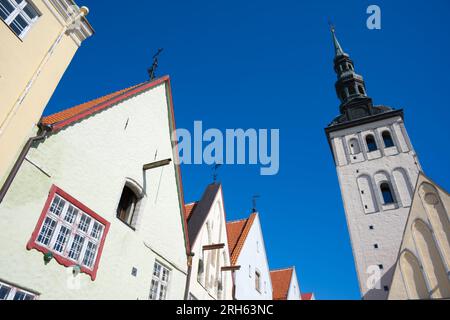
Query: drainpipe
{"points": [[42, 133], [188, 277]]}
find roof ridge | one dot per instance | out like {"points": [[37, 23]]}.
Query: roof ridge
{"points": [[110, 96], [81, 111], [282, 269], [242, 237]]}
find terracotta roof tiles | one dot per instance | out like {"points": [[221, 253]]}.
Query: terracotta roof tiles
{"points": [[237, 232], [281, 280]]}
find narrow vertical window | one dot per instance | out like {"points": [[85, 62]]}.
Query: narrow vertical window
{"points": [[387, 193], [371, 144], [127, 206], [387, 139], [160, 282]]}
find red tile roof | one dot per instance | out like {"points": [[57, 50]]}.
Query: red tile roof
{"points": [[189, 208], [281, 280], [66, 117], [237, 232], [308, 296]]}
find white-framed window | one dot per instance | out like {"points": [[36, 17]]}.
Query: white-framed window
{"points": [[19, 15], [10, 292], [71, 233], [160, 282]]}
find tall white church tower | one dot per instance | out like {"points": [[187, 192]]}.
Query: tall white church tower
{"points": [[377, 170]]}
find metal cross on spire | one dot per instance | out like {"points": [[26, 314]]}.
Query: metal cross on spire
{"points": [[337, 46], [254, 198], [215, 174], [152, 70]]}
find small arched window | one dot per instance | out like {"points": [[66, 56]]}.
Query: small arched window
{"points": [[386, 191], [387, 139], [354, 146], [361, 90], [127, 206], [371, 144], [351, 90]]}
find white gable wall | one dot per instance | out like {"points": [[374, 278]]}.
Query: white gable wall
{"points": [[253, 258], [203, 285], [294, 288], [91, 160]]}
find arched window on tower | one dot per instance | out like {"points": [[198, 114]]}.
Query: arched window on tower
{"points": [[351, 90], [361, 90], [387, 139], [371, 144], [386, 192]]}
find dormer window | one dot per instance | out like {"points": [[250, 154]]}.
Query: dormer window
{"points": [[371, 144]]}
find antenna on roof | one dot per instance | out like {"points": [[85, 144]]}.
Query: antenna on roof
{"points": [[152, 70], [254, 198], [215, 174]]}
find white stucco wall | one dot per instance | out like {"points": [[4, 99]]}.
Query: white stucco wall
{"points": [[90, 160], [253, 257], [387, 221], [213, 231], [294, 292]]}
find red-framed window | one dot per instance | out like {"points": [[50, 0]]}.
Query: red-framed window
{"points": [[71, 232]]}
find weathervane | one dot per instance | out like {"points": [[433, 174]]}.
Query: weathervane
{"points": [[254, 198], [151, 71], [215, 174]]}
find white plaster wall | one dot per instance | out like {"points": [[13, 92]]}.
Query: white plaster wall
{"points": [[90, 160], [197, 285], [388, 221], [294, 292], [253, 256]]}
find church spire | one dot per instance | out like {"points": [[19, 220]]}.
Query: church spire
{"points": [[350, 86], [337, 46]]}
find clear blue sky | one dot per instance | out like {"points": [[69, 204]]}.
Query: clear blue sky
{"points": [[268, 64]]}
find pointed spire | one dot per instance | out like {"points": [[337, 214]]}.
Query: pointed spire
{"points": [[337, 46]]}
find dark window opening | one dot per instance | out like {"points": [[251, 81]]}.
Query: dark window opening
{"points": [[387, 139], [371, 144], [361, 90], [386, 288], [387, 193], [351, 90], [381, 266], [127, 206], [375, 246], [371, 227]]}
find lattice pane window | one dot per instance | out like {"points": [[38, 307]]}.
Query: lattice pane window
{"points": [[19, 15], [160, 282], [10, 292], [72, 233]]}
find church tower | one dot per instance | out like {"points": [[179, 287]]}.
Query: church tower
{"points": [[377, 170]]}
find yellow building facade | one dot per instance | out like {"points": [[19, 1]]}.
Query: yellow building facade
{"points": [[422, 270], [38, 41]]}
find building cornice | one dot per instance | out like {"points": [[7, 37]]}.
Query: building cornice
{"points": [[64, 11]]}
